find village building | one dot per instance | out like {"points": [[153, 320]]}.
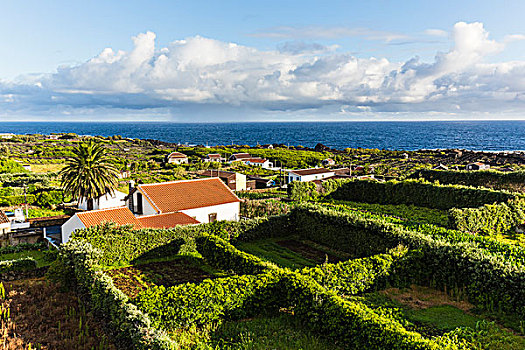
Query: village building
{"points": [[328, 162], [177, 158], [117, 199], [239, 156], [440, 167], [263, 163], [214, 157], [165, 205], [261, 182], [235, 181], [477, 166], [306, 175]]}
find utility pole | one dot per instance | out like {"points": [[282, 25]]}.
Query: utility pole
{"points": [[25, 200]]}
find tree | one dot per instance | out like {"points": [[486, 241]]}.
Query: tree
{"points": [[90, 173]]}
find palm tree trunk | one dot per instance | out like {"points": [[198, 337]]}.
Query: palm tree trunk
{"points": [[90, 204]]}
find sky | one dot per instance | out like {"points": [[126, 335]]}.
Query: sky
{"points": [[199, 61]]}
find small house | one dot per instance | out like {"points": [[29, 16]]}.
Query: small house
{"points": [[477, 166], [328, 162], [214, 157], [306, 175], [177, 158], [239, 156], [263, 163], [235, 181]]}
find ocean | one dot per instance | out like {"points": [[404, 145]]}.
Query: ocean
{"points": [[473, 135]]}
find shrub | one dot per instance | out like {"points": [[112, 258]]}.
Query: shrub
{"points": [[418, 193], [22, 264], [490, 219]]}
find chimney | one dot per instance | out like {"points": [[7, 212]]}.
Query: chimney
{"points": [[131, 204]]}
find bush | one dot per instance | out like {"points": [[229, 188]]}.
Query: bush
{"points": [[302, 191], [490, 219], [22, 264], [418, 193], [263, 208], [512, 181]]}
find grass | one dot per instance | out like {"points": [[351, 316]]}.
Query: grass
{"points": [[263, 333], [46, 168], [43, 212], [434, 314], [41, 256], [269, 250], [411, 213]]}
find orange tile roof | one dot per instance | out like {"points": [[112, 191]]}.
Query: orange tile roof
{"points": [[255, 160], [177, 155], [166, 220], [3, 218], [174, 196], [120, 216]]}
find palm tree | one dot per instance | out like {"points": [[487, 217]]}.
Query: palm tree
{"points": [[90, 173]]}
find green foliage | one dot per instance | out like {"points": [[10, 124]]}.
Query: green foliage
{"points": [[131, 328], [22, 247], [263, 208], [512, 181], [8, 166], [488, 280], [417, 193], [223, 255], [17, 200], [490, 219], [355, 276], [22, 264], [261, 195], [302, 191]]}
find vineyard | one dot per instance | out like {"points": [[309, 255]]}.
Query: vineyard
{"points": [[323, 275]]}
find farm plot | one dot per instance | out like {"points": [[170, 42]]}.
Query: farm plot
{"points": [[434, 313], [292, 253], [181, 269]]}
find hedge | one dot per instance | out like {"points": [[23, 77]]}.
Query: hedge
{"points": [[22, 264], [122, 244], [17, 200], [225, 256], [130, 327], [414, 192], [355, 276], [351, 324], [490, 219], [490, 281], [512, 181]]}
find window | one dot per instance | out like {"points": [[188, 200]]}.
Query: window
{"points": [[212, 217], [139, 203]]}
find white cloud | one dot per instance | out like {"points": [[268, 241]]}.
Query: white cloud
{"points": [[209, 74], [436, 32]]}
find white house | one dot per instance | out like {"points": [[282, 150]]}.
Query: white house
{"points": [[123, 216], [263, 163], [107, 201], [477, 166], [206, 200], [305, 175], [328, 162], [214, 157], [177, 158], [165, 205]]}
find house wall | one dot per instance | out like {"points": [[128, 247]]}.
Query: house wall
{"points": [[69, 226], [104, 202], [228, 211], [147, 208], [240, 181], [305, 178], [177, 160]]}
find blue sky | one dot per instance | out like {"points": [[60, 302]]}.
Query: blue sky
{"points": [[267, 60]]}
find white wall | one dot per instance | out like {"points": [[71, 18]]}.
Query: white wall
{"points": [[69, 226], [147, 208], [177, 160], [104, 202], [228, 211], [305, 178]]}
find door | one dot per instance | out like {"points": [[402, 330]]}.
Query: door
{"points": [[212, 217]]}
